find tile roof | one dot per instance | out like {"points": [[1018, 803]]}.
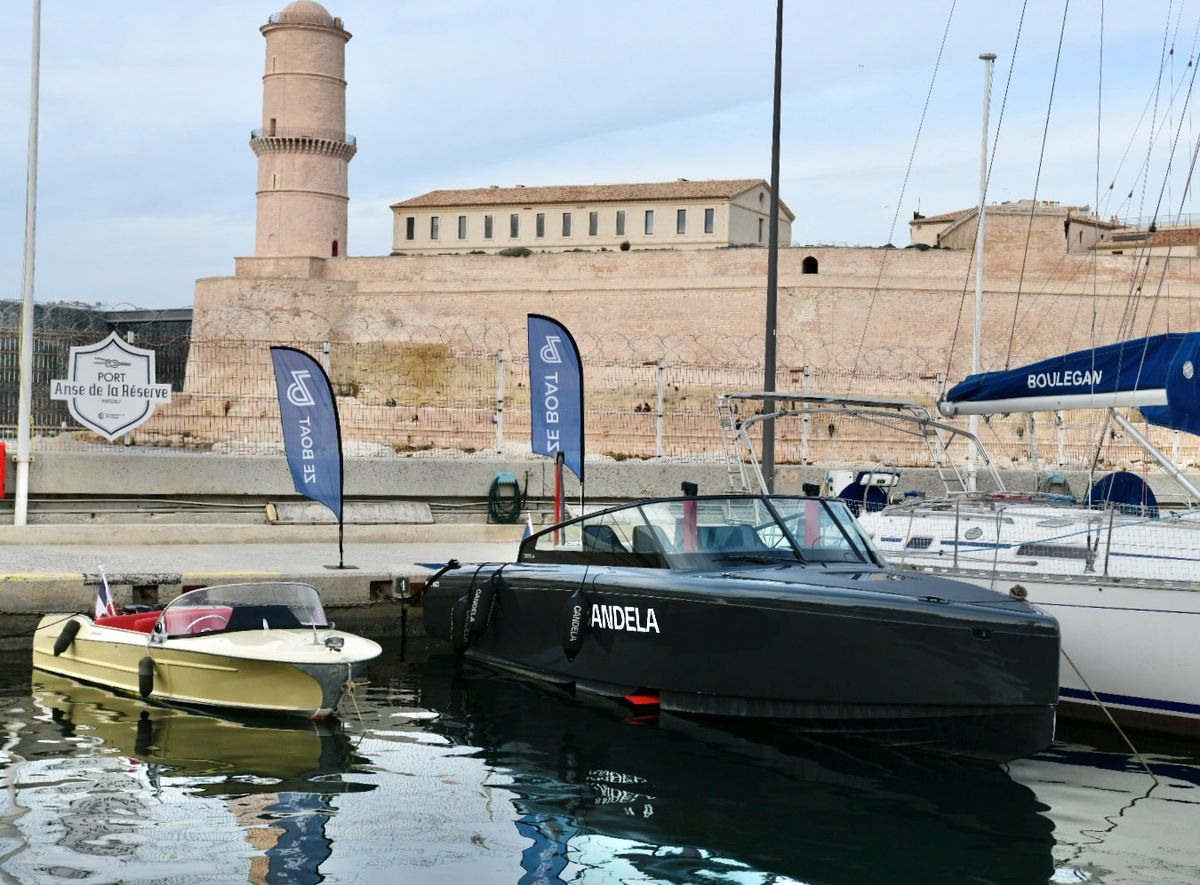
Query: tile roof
{"points": [[588, 193], [1167, 236], [945, 216]]}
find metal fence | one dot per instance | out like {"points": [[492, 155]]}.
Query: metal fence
{"points": [[464, 392]]}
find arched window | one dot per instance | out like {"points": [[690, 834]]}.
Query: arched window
{"points": [[335, 249], [809, 265]]}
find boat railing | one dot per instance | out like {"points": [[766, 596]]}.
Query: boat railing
{"points": [[1011, 535], [900, 416]]}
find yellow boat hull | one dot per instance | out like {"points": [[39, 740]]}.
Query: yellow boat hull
{"points": [[285, 672]]}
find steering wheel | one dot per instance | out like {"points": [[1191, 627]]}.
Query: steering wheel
{"points": [[220, 619]]}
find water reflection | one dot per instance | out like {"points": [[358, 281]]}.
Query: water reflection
{"points": [[271, 786], [456, 774], [677, 801], [1114, 822]]}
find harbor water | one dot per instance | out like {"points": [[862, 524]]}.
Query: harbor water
{"points": [[438, 771]]}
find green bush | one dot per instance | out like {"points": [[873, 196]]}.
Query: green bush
{"points": [[516, 252], [625, 245]]}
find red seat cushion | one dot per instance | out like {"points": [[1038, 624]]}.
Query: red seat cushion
{"points": [[142, 622]]}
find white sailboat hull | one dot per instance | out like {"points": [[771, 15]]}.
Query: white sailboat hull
{"points": [[1125, 590]]}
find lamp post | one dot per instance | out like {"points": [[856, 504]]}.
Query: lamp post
{"points": [[25, 370]]}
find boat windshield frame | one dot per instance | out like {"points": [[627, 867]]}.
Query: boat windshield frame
{"points": [[706, 532], [233, 608]]}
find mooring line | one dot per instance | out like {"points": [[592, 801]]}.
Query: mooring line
{"points": [[1104, 707]]}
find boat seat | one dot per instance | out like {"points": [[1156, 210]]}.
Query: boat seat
{"points": [[603, 539], [729, 537], [141, 622], [649, 539]]}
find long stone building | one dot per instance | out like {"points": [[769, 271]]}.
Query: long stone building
{"points": [[678, 214]]}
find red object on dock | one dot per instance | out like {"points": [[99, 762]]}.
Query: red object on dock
{"points": [[3, 465]]}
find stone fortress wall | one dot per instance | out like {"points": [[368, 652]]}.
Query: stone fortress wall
{"points": [[879, 322]]}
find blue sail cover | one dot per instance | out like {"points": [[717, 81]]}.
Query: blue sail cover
{"points": [[1154, 374]]}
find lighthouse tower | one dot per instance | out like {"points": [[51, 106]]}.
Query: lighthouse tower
{"points": [[302, 148]]}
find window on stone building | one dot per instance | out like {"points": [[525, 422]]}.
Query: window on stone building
{"points": [[487, 227], [593, 223], [709, 219], [566, 224], [649, 228], [334, 250], [433, 227], [410, 228], [681, 221], [620, 222], [541, 224], [514, 225], [808, 265], [760, 228], [462, 227]]}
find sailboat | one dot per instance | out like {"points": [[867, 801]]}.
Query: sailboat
{"points": [[1121, 573]]}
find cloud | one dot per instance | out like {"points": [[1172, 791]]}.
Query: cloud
{"points": [[146, 181]]}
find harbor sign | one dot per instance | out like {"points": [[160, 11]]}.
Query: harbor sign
{"points": [[110, 386]]}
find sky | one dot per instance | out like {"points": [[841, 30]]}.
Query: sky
{"points": [[146, 179]]}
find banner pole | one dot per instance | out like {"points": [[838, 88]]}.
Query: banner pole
{"points": [[558, 493]]}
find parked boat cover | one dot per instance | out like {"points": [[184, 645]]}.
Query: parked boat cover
{"points": [[1156, 374], [1126, 491]]}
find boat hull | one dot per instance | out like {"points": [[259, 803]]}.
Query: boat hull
{"points": [[1129, 613], [1128, 647], [280, 672], [955, 677]]}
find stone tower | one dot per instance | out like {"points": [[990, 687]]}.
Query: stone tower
{"points": [[302, 148]]}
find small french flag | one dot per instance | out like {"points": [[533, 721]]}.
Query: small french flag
{"points": [[104, 601]]}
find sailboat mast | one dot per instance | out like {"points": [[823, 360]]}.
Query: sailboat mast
{"points": [[989, 59], [769, 350]]}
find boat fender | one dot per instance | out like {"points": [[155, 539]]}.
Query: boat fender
{"points": [[460, 633], [480, 610], [575, 624], [66, 637], [146, 676]]}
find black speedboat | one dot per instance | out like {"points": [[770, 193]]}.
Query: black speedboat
{"points": [[762, 607]]}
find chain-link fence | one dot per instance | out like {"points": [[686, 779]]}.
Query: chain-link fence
{"points": [[463, 391]]}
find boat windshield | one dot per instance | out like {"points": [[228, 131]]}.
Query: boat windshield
{"points": [[701, 532], [235, 607]]}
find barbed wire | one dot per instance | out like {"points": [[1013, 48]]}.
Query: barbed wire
{"points": [[419, 389]]}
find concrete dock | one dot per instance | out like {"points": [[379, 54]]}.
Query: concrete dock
{"points": [[54, 567]]}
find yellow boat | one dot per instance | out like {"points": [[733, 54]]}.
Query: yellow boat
{"points": [[252, 648]]}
